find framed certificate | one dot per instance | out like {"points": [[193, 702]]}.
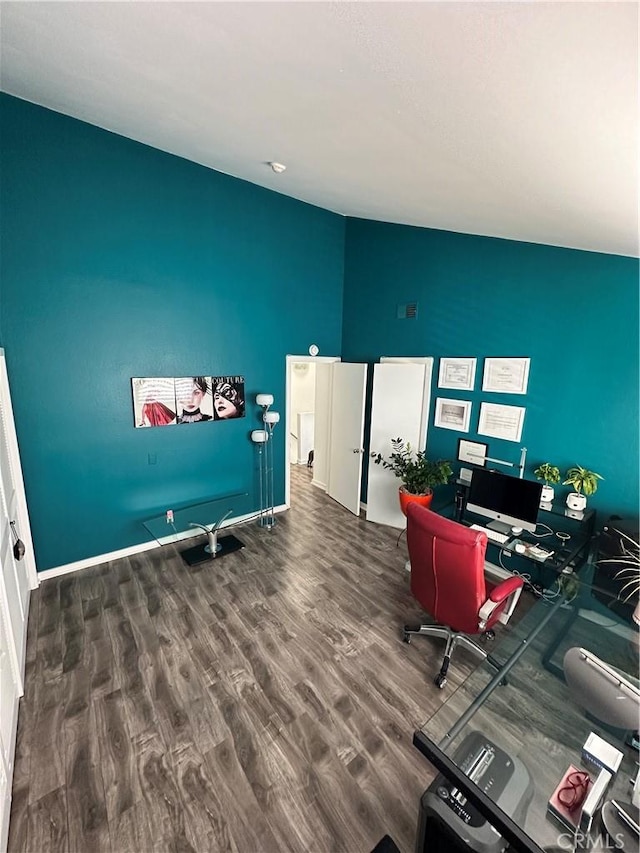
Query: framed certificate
{"points": [[459, 373], [506, 375], [501, 421], [453, 414], [472, 452]]}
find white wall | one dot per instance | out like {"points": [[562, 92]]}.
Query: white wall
{"points": [[303, 392]]}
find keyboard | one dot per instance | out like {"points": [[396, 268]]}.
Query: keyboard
{"points": [[493, 535]]}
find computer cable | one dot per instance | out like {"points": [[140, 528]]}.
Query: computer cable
{"points": [[525, 577], [542, 535]]}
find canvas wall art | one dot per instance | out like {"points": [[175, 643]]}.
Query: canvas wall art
{"points": [[167, 401], [228, 397], [154, 401], [194, 402]]}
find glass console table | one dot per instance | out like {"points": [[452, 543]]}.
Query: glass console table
{"points": [[175, 525], [515, 732]]}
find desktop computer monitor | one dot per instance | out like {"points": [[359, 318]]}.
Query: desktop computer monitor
{"points": [[509, 501]]}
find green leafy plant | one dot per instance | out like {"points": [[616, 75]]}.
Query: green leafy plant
{"points": [[629, 558], [418, 474], [569, 586], [548, 473], [583, 481]]}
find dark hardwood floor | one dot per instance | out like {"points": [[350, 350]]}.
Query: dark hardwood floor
{"points": [[263, 702]]}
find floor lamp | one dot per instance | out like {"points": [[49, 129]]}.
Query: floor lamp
{"points": [[263, 438]]}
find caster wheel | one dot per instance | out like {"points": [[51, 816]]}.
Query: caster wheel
{"points": [[440, 681], [406, 638], [490, 634]]}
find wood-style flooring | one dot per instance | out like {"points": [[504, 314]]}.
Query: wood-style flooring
{"points": [[262, 702]]}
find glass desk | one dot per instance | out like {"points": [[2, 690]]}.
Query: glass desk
{"points": [[208, 516], [534, 726], [570, 548]]}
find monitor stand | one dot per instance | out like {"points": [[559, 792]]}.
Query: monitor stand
{"points": [[500, 526]]}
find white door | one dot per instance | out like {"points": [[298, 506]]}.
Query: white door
{"points": [[347, 432], [396, 412], [8, 727], [14, 589], [14, 596], [14, 600], [14, 574], [322, 425], [426, 385]]}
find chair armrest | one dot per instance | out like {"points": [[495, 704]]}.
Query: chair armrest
{"points": [[505, 589], [508, 589]]}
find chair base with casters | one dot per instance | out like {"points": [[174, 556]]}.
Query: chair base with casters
{"points": [[453, 638]]}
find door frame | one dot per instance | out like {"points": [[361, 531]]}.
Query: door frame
{"points": [[289, 361]]}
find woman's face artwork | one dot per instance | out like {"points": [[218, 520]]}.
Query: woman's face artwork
{"points": [[189, 395], [224, 401]]}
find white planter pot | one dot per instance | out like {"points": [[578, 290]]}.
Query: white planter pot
{"points": [[576, 501], [547, 494]]}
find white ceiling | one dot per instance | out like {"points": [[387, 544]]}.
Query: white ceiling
{"points": [[515, 120]]}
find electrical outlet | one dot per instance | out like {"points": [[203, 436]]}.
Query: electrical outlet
{"points": [[152, 459]]}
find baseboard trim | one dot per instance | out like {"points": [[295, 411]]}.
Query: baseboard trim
{"points": [[79, 565]]}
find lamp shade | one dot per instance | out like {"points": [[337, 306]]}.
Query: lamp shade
{"points": [[258, 436], [271, 417], [264, 400]]}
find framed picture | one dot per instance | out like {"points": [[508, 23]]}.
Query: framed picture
{"points": [[194, 402], [472, 452], [154, 401], [506, 375], [457, 373], [228, 397], [501, 421], [453, 414]]}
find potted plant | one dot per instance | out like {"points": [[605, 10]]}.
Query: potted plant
{"points": [[550, 475], [418, 475], [629, 574], [584, 482]]}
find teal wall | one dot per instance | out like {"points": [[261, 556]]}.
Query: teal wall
{"points": [[119, 260], [575, 314]]}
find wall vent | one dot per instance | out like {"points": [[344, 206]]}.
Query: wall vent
{"points": [[409, 311]]}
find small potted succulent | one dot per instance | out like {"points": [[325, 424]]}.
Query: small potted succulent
{"points": [[550, 475], [584, 482], [417, 474]]}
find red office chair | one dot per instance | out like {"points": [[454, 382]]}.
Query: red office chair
{"points": [[447, 578]]}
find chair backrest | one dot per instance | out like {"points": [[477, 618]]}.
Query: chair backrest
{"points": [[447, 568]]}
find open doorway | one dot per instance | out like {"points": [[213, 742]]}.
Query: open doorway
{"points": [[302, 408], [307, 419], [336, 423]]}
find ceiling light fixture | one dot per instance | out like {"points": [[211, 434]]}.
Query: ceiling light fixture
{"points": [[278, 168]]}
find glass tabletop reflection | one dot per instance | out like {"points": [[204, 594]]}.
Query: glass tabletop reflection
{"points": [[532, 719]]}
